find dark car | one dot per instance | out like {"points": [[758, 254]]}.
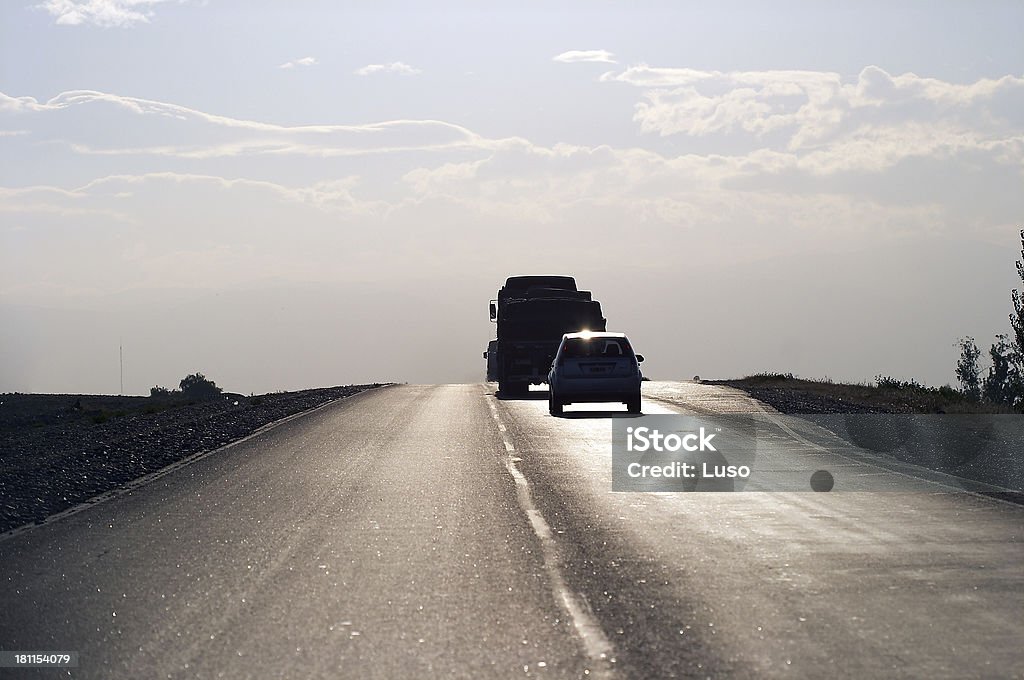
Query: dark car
{"points": [[595, 367]]}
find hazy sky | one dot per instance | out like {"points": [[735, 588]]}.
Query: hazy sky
{"points": [[288, 195]]}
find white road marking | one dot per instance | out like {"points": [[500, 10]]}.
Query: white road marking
{"points": [[596, 644]]}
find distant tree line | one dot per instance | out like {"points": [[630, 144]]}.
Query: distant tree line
{"points": [[194, 386], [1003, 382]]}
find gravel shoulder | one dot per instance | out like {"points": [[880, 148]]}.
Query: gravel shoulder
{"points": [[804, 398], [59, 450], [792, 395]]}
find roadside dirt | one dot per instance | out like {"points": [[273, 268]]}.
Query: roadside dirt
{"points": [[58, 450]]}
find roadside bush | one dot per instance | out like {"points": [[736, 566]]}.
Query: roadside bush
{"points": [[950, 393], [193, 387], [198, 386], [888, 382]]}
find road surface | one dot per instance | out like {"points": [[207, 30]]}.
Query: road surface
{"points": [[439, 531]]}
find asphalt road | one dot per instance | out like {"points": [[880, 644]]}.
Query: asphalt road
{"points": [[438, 531]]}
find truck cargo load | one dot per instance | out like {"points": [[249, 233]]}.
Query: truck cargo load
{"points": [[532, 313]]}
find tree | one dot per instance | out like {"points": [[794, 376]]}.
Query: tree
{"points": [[198, 386], [1004, 383], [967, 370], [999, 383], [1015, 377], [1017, 316], [159, 392]]}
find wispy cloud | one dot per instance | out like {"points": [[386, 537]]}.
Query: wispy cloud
{"points": [[304, 61], [182, 132], [573, 56], [73, 98], [122, 13], [831, 123], [394, 67]]}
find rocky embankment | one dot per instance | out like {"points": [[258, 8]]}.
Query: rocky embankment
{"points": [[59, 450], [796, 401]]}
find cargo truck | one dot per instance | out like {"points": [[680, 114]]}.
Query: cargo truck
{"points": [[532, 313]]}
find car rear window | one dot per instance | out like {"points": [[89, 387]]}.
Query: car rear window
{"points": [[583, 348]]}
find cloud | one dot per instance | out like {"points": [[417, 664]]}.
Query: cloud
{"points": [[394, 67], [831, 123], [178, 131], [575, 56], [74, 98], [10, 104], [304, 61], [53, 201], [333, 196], [123, 13], [643, 75], [97, 124], [779, 193]]}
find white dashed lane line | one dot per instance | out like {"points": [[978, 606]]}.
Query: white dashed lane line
{"points": [[595, 643]]}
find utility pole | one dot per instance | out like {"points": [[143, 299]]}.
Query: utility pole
{"points": [[120, 353]]}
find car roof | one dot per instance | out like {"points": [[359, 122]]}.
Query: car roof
{"points": [[594, 334]]}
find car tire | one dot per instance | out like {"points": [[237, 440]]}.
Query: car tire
{"points": [[555, 406], [633, 405]]}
